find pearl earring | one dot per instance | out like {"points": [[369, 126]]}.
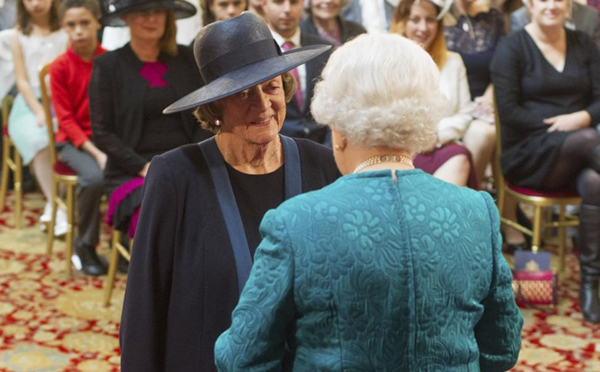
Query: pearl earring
{"points": [[336, 147], [218, 123]]}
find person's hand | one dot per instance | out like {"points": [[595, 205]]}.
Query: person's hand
{"points": [[101, 159], [40, 118], [144, 170], [567, 122]]}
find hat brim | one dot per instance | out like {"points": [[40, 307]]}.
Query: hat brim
{"points": [[247, 77], [181, 9]]}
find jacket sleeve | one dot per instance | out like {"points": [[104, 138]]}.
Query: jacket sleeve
{"points": [[498, 332], [144, 318], [256, 339], [103, 115], [63, 106], [453, 127]]}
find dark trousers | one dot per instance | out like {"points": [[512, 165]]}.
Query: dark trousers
{"points": [[89, 192]]}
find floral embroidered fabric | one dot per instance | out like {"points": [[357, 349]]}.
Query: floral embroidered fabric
{"points": [[372, 275]]}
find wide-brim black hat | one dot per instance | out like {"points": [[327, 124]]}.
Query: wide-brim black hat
{"points": [[236, 54], [181, 9]]}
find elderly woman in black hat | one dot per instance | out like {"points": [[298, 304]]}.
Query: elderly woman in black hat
{"points": [[128, 90], [203, 203]]}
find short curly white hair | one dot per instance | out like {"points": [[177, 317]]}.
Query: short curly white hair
{"points": [[381, 90]]}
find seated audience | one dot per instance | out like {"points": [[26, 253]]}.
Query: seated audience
{"points": [[69, 78], [361, 273], [36, 41], [203, 202], [218, 10], [579, 17], [129, 89], [421, 21], [374, 15], [283, 17], [547, 85], [323, 20]]}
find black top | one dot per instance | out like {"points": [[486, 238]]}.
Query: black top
{"points": [[182, 283], [476, 39], [253, 201], [529, 89], [161, 132]]}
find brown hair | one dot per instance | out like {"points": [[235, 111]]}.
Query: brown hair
{"points": [[168, 41], [208, 114], [208, 17], [24, 18], [437, 49], [91, 5]]}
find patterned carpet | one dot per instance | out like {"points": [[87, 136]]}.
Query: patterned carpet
{"points": [[50, 322]]}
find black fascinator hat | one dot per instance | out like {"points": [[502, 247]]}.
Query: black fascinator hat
{"points": [[237, 54], [118, 8]]}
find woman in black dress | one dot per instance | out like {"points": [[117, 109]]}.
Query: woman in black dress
{"points": [[128, 90], [323, 20], [547, 84], [203, 203]]}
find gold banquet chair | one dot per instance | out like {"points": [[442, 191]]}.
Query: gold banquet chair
{"points": [[539, 200], [11, 161], [116, 250], [61, 175]]}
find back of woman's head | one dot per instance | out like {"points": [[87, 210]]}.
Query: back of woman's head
{"points": [[25, 22], [381, 90]]}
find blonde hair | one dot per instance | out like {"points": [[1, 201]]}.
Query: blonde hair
{"points": [[381, 90], [208, 114], [168, 41], [437, 49]]}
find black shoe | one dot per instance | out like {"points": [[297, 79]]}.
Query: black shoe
{"points": [[90, 262], [588, 301], [122, 265], [512, 248]]}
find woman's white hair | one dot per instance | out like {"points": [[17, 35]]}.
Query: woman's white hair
{"points": [[381, 90]]}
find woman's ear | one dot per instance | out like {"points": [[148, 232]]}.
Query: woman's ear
{"points": [[340, 142]]}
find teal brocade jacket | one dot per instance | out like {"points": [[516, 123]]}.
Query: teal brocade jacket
{"points": [[369, 275]]}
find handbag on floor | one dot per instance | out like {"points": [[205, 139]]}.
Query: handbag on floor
{"points": [[534, 284]]}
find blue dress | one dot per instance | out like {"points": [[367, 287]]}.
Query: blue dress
{"points": [[372, 275]]}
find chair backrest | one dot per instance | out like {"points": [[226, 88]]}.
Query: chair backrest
{"points": [[47, 111], [7, 103]]}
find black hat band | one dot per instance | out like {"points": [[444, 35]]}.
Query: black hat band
{"points": [[238, 58]]}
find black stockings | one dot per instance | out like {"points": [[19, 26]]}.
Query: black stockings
{"points": [[573, 166]]}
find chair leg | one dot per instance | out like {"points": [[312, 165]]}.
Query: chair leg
{"points": [[562, 238], [4, 186], [18, 189], [50, 229], [69, 237], [501, 198], [112, 267], [537, 229]]}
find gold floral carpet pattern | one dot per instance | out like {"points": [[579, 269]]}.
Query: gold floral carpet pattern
{"points": [[50, 322]]}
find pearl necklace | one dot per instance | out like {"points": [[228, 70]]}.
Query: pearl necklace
{"points": [[378, 159]]}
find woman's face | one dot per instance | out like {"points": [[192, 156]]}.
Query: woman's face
{"points": [[147, 25], [37, 8], [422, 25], [547, 13], [256, 114], [325, 9]]}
